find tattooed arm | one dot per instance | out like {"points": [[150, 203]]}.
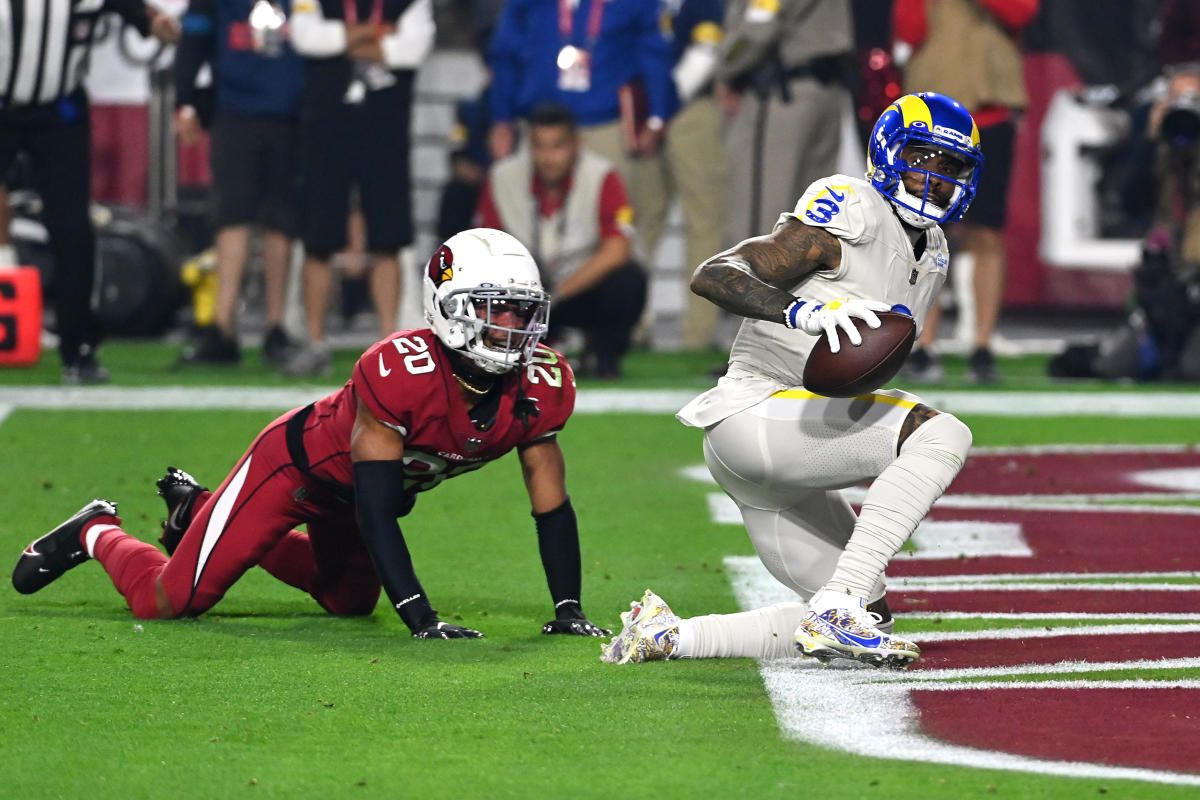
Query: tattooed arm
{"points": [[746, 279]]}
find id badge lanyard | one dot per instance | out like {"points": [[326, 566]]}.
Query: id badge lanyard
{"points": [[575, 63]]}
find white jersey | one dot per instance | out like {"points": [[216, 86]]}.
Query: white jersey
{"points": [[878, 263]]}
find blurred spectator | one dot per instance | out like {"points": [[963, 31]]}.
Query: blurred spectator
{"points": [[258, 79], [968, 49], [1161, 337], [783, 83], [8, 253], [362, 57], [44, 113], [585, 55], [692, 161], [469, 161], [568, 205]]}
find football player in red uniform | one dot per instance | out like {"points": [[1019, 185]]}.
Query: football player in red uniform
{"points": [[422, 406]]}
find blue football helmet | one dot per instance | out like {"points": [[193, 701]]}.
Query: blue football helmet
{"points": [[932, 135]]}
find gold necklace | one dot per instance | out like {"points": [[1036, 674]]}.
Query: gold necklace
{"points": [[475, 390]]}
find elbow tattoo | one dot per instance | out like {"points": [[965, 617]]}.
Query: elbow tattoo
{"points": [[729, 281]]}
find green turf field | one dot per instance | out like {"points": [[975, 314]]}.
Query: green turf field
{"points": [[267, 696]]}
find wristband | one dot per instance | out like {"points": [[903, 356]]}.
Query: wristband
{"points": [[791, 314]]}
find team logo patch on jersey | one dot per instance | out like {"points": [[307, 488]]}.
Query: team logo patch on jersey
{"points": [[941, 260], [441, 266]]}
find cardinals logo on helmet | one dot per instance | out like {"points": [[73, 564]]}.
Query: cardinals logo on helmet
{"points": [[441, 266]]}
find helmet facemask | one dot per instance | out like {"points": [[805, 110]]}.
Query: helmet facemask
{"points": [[499, 327]]}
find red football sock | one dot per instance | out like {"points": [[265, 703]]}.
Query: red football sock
{"points": [[133, 566]]}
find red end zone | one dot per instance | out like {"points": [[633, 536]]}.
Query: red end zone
{"points": [[1154, 728], [1103, 472]]}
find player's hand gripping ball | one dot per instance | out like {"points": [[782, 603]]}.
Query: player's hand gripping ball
{"points": [[855, 370]]}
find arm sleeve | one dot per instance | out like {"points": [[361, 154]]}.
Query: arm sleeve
{"points": [[410, 45], [195, 48], [133, 12], [377, 504], [504, 62], [654, 60], [748, 40], [558, 543], [1013, 14], [314, 36], [616, 214], [908, 22]]}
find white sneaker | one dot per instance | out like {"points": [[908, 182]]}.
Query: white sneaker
{"points": [[313, 359], [649, 632], [839, 626]]}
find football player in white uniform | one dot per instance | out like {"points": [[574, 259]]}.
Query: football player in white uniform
{"points": [[850, 247]]}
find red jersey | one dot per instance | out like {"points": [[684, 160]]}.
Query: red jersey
{"points": [[407, 382]]}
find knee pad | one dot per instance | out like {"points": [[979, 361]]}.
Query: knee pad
{"points": [[944, 437]]}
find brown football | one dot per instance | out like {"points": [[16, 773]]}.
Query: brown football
{"points": [[857, 370]]}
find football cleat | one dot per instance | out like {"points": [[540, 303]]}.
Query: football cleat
{"points": [[881, 614], [649, 632], [179, 490], [849, 632], [59, 550]]}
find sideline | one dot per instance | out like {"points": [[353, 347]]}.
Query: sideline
{"points": [[1175, 405]]}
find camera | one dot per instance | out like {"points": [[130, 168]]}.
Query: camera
{"points": [[1181, 122]]}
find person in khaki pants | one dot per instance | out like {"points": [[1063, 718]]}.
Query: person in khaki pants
{"points": [[692, 159]]}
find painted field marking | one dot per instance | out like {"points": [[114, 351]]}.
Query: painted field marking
{"points": [[1039, 616], [802, 692], [957, 539], [594, 401]]}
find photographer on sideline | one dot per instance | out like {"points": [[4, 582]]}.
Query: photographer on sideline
{"points": [[1161, 337]]}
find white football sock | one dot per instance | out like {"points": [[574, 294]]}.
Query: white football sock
{"points": [[761, 633], [92, 534], [898, 500]]}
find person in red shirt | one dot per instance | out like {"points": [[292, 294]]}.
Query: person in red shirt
{"points": [[422, 406], [969, 49], [569, 206]]}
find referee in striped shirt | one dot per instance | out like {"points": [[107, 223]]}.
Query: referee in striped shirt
{"points": [[44, 48]]}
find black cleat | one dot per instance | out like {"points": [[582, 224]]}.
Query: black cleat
{"points": [[58, 551], [179, 490]]}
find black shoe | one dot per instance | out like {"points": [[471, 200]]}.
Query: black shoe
{"points": [[84, 372], [212, 347], [59, 550], [179, 490], [981, 367], [923, 366], [277, 347]]}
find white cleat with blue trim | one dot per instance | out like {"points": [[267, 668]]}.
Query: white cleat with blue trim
{"points": [[838, 625]]}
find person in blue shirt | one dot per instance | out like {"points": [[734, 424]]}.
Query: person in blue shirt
{"points": [[692, 162], [257, 81], [580, 54]]}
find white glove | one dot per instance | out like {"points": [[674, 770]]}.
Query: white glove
{"points": [[817, 318]]}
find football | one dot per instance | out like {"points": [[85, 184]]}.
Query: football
{"points": [[857, 370]]}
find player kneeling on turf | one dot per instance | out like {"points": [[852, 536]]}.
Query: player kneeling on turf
{"points": [[422, 406], [849, 248]]}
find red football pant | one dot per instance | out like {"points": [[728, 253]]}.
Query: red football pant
{"points": [[249, 521]]}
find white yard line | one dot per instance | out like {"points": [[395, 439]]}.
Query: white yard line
{"points": [[1184, 405]]}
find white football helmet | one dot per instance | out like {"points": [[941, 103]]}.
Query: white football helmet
{"points": [[484, 298]]}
